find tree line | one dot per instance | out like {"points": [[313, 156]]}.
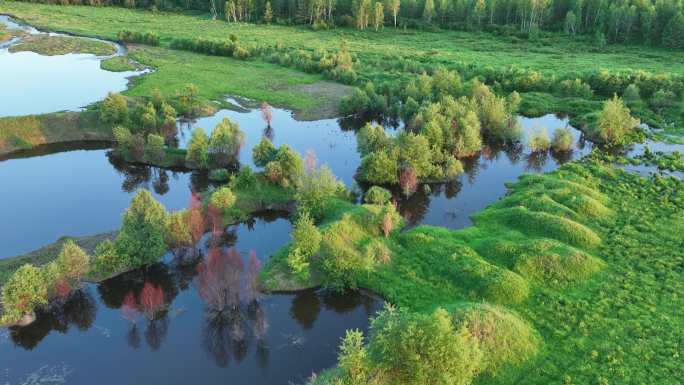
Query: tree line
{"points": [[654, 22]]}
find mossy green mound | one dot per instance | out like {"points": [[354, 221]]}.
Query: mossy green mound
{"points": [[503, 336]]}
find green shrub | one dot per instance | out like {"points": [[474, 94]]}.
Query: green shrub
{"points": [[72, 261], [225, 142], [114, 109], [123, 137], [377, 195], [341, 260], [315, 188], [539, 141], [198, 149], [245, 178], [502, 335], [222, 199], [417, 349], [561, 140], [154, 148], [141, 240], [306, 242], [615, 122], [24, 291], [219, 175], [264, 152]]}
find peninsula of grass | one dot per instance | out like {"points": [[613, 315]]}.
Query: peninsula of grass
{"points": [[120, 64], [589, 255], [26, 132], [47, 45]]}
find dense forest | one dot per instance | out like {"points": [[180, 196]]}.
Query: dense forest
{"points": [[659, 22]]}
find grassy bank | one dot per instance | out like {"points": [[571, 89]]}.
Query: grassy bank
{"points": [[61, 45], [589, 255], [49, 253], [390, 55], [26, 132]]}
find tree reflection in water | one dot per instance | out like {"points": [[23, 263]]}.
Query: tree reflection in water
{"points": [[78, 310], [233, 314]]}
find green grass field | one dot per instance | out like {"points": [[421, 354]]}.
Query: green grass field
{"points": [[554, 55]]}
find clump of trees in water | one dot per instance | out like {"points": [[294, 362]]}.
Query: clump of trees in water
{"points": [[31, 287]]}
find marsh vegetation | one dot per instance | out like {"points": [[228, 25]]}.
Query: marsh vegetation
{"points": [[503, 246]]}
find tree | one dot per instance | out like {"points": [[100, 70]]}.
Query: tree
{"points": [[561, 140], [198, 149], [225, 143], [306, 241], [24, 291], [394, 7], [222, 199], [177, 230], [73, 262], [673, 34], [268, 13], [415, 348], [123, 137], [147, 116], [377, 195], [142, 236], [615, 122], [353, 357], [286, 168], [267, 113], [378, 16], [315, 188], [154, 148], [469, 140], [539, 140], [429, 11], [264, 152], [114, 109], [570, 23]]}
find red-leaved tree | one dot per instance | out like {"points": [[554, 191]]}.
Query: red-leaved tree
{"points": [[408, 180], [129, 307], [151, 301], [253, 270], [266, 113]]}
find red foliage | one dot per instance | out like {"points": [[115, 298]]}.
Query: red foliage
{"points": [[129, 308], [215, 219], [62, 289], [218, 279], [196, 224], [253, 270], [310, 160], [266, 113], [151, 300], [387, 224], [195, 201], [408, 180]]}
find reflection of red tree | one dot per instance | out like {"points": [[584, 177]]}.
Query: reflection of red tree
{"points": [[266, 113], [151, 300], [218, 279], [129, 308], [215, 218], [253, 270], [387, 224], [62, 290], [408, 180], [310, 160]]}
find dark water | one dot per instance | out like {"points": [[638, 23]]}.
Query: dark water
{"points": [[177, 337]]}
